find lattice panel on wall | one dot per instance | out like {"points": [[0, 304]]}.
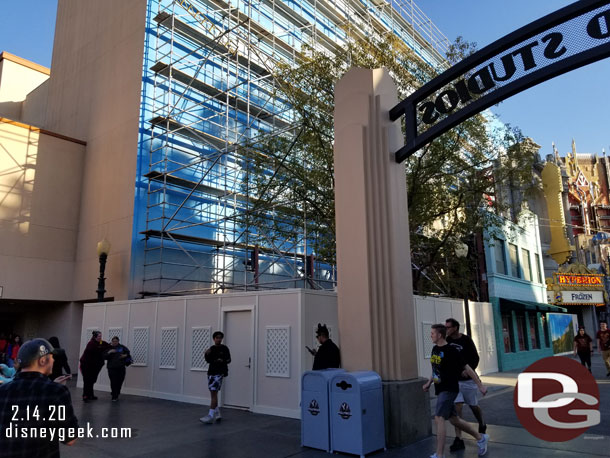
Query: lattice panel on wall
{"points": [[427, 344], [118, 332], [169, 348], [201, 340], [278, 351], [315, 340], [476, 336], [88, 334], [489, 337], [139, 350]]}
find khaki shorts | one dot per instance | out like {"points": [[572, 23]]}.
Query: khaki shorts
{"points": [[468, 393]]}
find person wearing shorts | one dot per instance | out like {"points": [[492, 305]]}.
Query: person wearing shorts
{"points": [[447, 365], [468, 388], [218, 357], [603, 344]]}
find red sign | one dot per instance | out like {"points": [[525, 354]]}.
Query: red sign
{"points": [[584, 280]]}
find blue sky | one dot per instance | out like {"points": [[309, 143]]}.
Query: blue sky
{"points": [[27, 28], [574, 105]]}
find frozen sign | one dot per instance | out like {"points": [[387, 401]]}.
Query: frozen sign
{"points": [[582, 297], [572, 37]]}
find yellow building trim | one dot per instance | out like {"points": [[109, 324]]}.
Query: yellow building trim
{"points": [[42, 131], [24, 62], [560, 249]]}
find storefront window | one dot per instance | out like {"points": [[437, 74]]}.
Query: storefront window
{"points": [[521, 331], [514, 260], [500, 256], [535, 339], [527, 267], [545, 327], [537, 268], [507, 333]]}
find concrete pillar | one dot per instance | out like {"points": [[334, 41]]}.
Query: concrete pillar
{"points": [[375, 292]]}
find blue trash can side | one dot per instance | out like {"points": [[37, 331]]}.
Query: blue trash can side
{"points": [[346, 423], [315, 425], [373, 420], [345, 414], [357, 422]]}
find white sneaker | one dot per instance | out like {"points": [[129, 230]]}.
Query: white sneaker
{"points": [[482, 444], [217, 416], [436, 456], [208, 419]]}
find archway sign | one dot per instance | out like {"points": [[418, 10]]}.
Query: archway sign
{"points": [[377, 323], [569, 38]]}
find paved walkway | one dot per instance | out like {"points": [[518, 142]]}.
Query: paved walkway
{"points": [[172, 429]]}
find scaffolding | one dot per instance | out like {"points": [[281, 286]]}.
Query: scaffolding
{"points": [[211, 95]]}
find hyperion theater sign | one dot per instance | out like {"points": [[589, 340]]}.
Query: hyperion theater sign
{"points": [[576, 285], [572, 37]]}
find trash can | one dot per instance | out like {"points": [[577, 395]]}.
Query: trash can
{"points": [[315, 421], [356, 413]]}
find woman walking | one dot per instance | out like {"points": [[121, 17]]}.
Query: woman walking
{"points": [[119, 358], [91, 363], [60, 359], [583, 345]]}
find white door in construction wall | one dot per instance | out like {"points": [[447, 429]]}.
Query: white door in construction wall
{"points": [[484, 336], [429, 311], [237, 387]]}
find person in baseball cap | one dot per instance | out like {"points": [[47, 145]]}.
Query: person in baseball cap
{"points": [[31, 390], [32, 351]]}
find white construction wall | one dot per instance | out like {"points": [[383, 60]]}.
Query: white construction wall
{"points": [[484, 336], [432, 310], [265, 331]]}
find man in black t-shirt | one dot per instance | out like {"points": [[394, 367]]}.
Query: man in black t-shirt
{"points": [[468, 387], [218, 357], [447, 365]]}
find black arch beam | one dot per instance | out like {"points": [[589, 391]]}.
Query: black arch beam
{"points": [[463, 103]]}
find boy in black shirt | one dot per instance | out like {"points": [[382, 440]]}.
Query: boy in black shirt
{"points": [[218, 357], [447, 365]]}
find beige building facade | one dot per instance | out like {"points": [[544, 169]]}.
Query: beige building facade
{"points": [[67, 169]]}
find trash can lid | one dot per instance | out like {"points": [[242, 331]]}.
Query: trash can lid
{"points": [[314, 380], [358, 380]]}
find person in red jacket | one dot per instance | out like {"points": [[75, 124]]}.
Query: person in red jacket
{"points": [[3, 347], [91, 363], [13, 350]]}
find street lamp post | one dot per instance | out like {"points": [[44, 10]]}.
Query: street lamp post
{"points": [[461, 251], [103, 248]]}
